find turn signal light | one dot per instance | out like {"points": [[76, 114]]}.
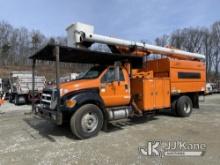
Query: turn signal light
{"points": [[70, 103]]}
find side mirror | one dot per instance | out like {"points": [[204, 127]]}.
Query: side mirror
{"points": [[117, 71]]}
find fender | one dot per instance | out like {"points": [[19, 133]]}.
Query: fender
{"points": [[83, 97]]}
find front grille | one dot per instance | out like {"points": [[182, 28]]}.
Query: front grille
{"points": [[49, 98]]}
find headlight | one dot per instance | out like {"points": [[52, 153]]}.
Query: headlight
{"points": [[70, 103]]}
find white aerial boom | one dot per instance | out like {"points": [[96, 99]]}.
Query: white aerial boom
{"points": [[82, 33]]}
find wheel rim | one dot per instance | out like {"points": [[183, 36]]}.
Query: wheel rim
{"points": [[89, 122], [187, 108]]}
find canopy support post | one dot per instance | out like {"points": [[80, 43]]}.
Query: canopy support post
{"points": [[57, 55], [33, 82]]}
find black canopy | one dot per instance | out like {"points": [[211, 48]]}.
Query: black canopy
{"points": [[79, 55]]}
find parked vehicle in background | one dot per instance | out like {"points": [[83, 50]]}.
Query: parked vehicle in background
{"points": [[73, 76], [4, 87], [69, 77], [217, 86], [21, 87], [208, 90], [214, 88]]}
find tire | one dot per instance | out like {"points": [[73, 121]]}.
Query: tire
{"points": [[174, 107], [10, 98], [20, 100], [25, 100], [87, 121], [184, 106], [16, 100]]}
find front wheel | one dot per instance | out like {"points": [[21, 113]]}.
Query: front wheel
{"points": [[184, 106], [87, 121]]}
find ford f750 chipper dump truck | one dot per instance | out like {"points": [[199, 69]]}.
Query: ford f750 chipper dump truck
{"points": [[122, 84]]}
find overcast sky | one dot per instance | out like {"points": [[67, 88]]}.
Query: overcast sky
{"points": [[135, 20]]}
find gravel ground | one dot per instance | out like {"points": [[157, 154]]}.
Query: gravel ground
{"points": [[26, 139]]}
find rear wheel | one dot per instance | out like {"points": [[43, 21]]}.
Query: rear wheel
{"points": [[16, 100], [19, 99], [184, 106], [10, 98], [173, 106], [87, 121]]}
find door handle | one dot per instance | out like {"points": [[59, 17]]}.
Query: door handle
{"points": [[126, 86]]}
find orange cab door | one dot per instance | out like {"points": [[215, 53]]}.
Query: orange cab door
{"points": [[115, 93], [123, 88]]}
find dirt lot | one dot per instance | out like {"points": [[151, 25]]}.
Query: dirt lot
{"points": [[25, 139]]}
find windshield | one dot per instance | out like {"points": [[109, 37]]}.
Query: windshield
{"points": [[94, 72]]}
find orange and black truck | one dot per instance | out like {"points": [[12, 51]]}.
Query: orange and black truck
{"points": [[122, 84]]}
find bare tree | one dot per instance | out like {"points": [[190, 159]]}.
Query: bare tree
{"points": [[216, 40], [177, 39], [5, 31], [189, 39], [61, 41], [37, 40], [207, 49], [162, 41]]}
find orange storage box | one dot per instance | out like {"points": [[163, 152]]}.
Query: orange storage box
{"points": [[150, 94]]}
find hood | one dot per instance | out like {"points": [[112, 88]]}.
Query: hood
{"points": [[78, 85]]}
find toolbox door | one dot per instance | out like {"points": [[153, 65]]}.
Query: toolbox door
{"points": [[148, 94], [159, 94], [166, 93]]}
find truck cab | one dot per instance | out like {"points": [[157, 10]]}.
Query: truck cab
{"points": [[113, 91], [101, 87]]}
